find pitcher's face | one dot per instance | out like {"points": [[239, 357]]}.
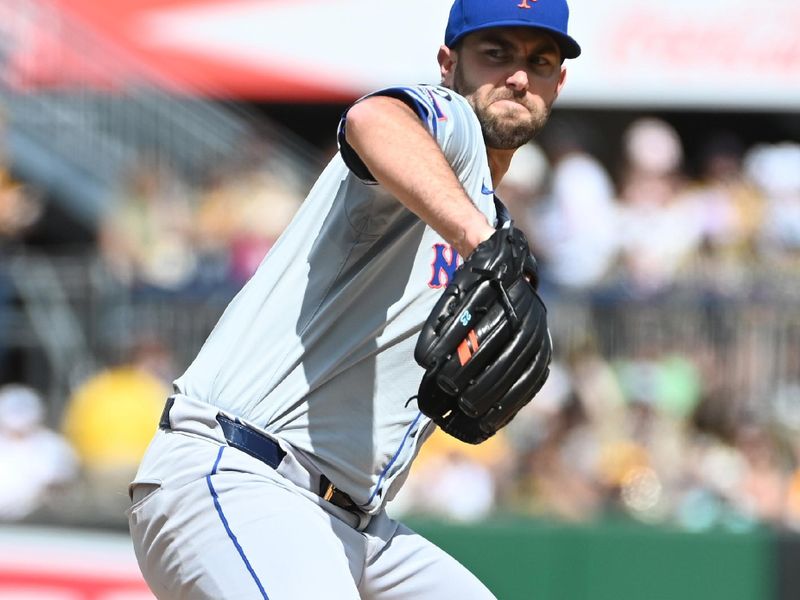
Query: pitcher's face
{"points": [[510, 76]]}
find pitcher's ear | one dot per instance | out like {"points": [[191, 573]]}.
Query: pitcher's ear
{"points": [[447, 58]]}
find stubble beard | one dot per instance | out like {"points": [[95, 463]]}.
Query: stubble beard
{"points": [[503, 132]]}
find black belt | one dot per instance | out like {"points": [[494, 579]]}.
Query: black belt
{"points": [[264, 448]]}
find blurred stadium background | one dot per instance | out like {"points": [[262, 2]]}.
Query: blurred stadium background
{"points": [[153, 150]]}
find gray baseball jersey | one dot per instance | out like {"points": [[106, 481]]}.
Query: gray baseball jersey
{"points": [[317, 348]]}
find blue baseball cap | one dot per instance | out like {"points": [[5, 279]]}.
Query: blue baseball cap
{"points": [[467, 16]]}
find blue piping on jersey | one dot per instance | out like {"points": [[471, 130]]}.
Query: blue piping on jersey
{"points": [[227, 526], [394, 458]]}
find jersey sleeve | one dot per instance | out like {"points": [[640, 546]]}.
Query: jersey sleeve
{"points": [[446, 115]]}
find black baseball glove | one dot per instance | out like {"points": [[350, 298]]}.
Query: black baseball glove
{"points": [[485, 347]]}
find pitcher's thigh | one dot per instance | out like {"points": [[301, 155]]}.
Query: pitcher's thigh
{"points": [[238, 536], [410, 567]]}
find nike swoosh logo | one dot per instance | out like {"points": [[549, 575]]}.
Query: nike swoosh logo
{"points": [[486, 191]]}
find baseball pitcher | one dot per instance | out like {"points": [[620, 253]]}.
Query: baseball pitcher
{"points": [[400, 298]]}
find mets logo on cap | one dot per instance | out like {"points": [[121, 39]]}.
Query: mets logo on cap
{"points": [[524, 4]]}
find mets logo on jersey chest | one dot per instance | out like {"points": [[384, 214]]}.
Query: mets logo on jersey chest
{"points": [[444, 265]]}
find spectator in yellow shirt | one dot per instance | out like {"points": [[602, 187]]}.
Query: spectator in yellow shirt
{"points": [[111, 417]]}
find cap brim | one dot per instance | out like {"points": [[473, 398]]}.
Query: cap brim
{"points": [[569, 47]]}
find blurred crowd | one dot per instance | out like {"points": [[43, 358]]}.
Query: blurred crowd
{"points": [[163, 234], [653, 430], [21, 206], [648, 222], [637, 437], [78, 468]]}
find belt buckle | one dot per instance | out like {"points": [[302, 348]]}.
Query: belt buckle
{"points": [[329, 492]]}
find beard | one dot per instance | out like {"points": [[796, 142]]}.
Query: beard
{"points": [[505, 130]]}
